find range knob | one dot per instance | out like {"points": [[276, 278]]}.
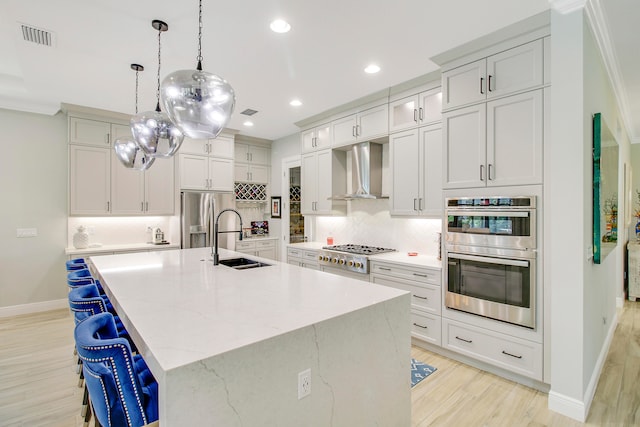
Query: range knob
{"points": [[341, 262], [334, 260], [350, 263], [358, 264], [325, 258], [319, 257]]}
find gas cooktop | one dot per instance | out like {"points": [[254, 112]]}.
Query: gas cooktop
{"points": [[358, 249]]}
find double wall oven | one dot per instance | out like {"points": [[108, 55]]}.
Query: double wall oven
{"points": [[490, 257]]}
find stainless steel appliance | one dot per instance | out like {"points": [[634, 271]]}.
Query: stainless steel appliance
{"points": [[366, 172], [349, 258], [490, 257], [198, 211]]}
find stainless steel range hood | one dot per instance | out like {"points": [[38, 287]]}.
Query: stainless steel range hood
{"points": [[366, 172]]}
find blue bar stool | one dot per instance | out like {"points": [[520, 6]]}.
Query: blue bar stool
{"points": [[122, 389], [76, 264]]}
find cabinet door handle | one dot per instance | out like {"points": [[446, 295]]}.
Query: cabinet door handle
{"points": [[141, 206], [481, 172], [357, 130], [414, 204], [353, 131], [146, 205], [482, 85], [420, 326], [489, 83], [419, 297], [421, 115], [489, 172], [420, 204], [415, 115], [384, 268], [108, 206], [462, 339], [251, 156], [512, 355], [420, 274]]}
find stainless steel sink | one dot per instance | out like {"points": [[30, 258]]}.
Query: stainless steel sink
{"points": [[242, 263]]}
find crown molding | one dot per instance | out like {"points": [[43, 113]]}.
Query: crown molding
{"points": [[566, 6], [598, 24]]}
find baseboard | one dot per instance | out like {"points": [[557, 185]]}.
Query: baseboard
{"points": [[568, 406], [36, 307], [573, 408]]}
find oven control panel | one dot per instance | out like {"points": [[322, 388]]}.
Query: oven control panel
{"points": [[348, 262]]}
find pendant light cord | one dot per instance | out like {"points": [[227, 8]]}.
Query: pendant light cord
{"points": [[199, 58], [159, 62], [137, 72]]}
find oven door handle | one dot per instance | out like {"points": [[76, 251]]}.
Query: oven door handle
{"points": [[492, 260], [461, 212]]}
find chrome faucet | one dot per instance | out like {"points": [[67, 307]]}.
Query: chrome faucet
{"points": [[214, 251]]}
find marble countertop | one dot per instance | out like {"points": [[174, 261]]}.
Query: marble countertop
{"points": [[120, 248], [403, 258], [182, 309]]}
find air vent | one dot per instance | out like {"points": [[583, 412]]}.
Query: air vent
{"points": [[249, 112], [37, 35]]}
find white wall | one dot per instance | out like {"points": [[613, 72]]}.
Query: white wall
{"points": [[582, 293], [33, 172]]}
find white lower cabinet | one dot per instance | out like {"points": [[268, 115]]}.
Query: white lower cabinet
{"points": [[505, 351], [426, 299], [264, 248], [303, 258]]}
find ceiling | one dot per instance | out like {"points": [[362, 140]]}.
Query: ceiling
{"points": [[320, 61]]}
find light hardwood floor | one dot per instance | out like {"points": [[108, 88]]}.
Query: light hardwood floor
{"points": [[39, 387]]}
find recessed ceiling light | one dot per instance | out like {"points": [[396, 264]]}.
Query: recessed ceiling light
{"points": [[280, 26], [295, 103], [248, 123], [372, 69]]}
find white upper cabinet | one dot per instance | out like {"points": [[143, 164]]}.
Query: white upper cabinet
{"points": [[207, 164], [245, 153], [317, 138], [222, 146], [89, 185], [416, 110], [363, 126], [323, 174], [493, 144], [507, 72], [90, 132], [416, 162], [245, 172]]}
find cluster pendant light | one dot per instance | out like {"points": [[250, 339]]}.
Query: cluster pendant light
{"points": [[199, 103], [127, 149], [155, 133]]}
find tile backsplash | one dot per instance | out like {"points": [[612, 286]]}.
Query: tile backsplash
{"points": [[368, 223]]}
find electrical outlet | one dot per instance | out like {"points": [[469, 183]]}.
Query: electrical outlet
{"points": [[26, 232], [304, 383]]}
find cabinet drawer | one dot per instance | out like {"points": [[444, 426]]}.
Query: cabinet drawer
{"points": [[424, 297], [265, 244], [241, 246], [294, 253], [511, 353], [417, 274], [426, 328], [310, 256]]}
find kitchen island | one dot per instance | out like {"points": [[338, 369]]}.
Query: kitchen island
{"points": [[226, 345]]}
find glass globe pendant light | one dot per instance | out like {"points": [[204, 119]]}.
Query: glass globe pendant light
{"points": [[128, 151], [153, 130], [198, 102]]}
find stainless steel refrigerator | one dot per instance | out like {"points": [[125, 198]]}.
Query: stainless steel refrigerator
{"points": [[198, 211]]}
